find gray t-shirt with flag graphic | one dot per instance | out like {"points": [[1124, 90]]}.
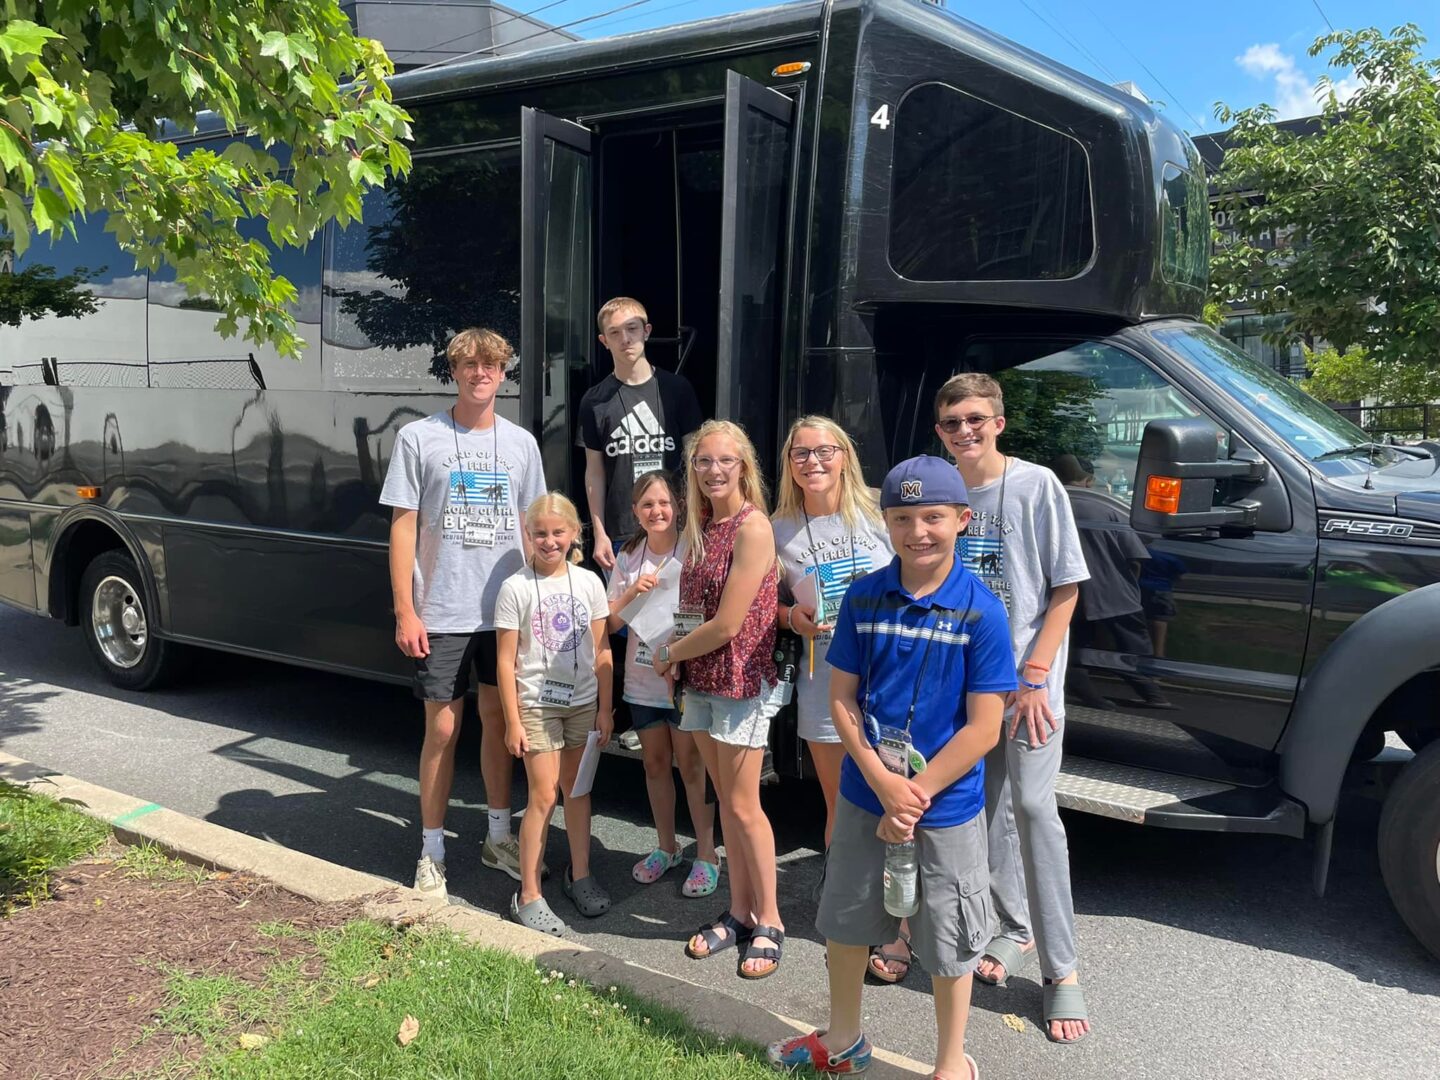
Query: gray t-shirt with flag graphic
{"points": [[1022, 550], [471, 489]]}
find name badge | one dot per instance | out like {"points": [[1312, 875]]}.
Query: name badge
{"points": [[480, 533], [894, 750], [643, 656], [687, 620], [641, 465], [557, 692]]}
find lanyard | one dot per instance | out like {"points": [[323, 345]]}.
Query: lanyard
{"points": [[539, 611], [941, 613], [999, 516], [815, 559], [494, 455]]}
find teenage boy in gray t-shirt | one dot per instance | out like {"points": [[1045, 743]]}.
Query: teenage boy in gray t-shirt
{"points": [[1022, 542], [459, 483]]}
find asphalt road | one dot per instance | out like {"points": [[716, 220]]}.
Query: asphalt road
{"points": [[1203, 956]]}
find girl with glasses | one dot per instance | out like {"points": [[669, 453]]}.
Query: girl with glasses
{"points": [[724, 644]]}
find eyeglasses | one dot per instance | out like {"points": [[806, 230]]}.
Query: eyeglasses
{"points": [[706, 464], [801, 454], [951, 424]]}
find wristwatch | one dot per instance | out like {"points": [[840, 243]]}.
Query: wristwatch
{"points": [[663, 654]]}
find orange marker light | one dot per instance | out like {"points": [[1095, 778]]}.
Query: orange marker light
{"points": [[1162, 494], [88, 492], [795, 67]]}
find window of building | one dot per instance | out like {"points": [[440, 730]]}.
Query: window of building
{"points": [[1250, 332], [981, 194], [436, 252]]}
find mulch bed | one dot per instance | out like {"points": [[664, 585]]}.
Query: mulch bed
{"points": [[83, 974]]}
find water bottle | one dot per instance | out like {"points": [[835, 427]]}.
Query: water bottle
{"points": [[902, 869]]}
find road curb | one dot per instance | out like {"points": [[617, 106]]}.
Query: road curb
{"points": [[206, 844]]}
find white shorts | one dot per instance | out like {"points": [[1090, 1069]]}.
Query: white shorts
{"points": [[734, 721]]}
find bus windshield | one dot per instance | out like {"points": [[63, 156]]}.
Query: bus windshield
{"points": [[1316, 432]]}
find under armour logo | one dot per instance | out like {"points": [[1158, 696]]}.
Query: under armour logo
{"points": [[909, 489], [946, 626]]}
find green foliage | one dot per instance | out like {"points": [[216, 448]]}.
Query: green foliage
{"points": [[1049, 413], [38, 836], [36, 291], [1356, 376], [86, 84], [1359, 201], [482, 1013]]}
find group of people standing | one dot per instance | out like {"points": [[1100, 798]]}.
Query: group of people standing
{"points": [[935, 617]]}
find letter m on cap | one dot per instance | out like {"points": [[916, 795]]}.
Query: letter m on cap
{"points": [[909, 489]]}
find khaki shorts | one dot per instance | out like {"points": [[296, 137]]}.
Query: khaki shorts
{"points": [[956, 917], [556, 729]]}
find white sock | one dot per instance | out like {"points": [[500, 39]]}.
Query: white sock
{"points": [[432, 844], [499, 825]]}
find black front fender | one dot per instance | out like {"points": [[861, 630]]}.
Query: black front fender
{"points": [[1384, 648]]}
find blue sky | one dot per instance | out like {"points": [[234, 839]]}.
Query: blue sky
{"points": [[1238, 52]]}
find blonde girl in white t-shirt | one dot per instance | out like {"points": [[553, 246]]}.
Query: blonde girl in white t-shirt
{"points": [[654, 717], [554, 671]]}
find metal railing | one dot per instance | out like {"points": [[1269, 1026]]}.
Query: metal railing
{"points": [[1419, 420]]}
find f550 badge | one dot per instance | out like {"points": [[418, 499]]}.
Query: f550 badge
{"points": [[1368, 528]]}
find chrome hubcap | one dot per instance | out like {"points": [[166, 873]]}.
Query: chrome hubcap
{"points": [[118, 619]]}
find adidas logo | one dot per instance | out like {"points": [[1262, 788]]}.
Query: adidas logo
{"points": [[639, 433]]}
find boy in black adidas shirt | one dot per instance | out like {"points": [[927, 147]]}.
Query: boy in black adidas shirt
{"points": [[631, 422]]}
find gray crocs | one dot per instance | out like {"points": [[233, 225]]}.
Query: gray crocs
{"points": [[590, 899], [536, 915], [1063, 1001]]}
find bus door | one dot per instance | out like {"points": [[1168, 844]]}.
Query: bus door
{"points": [[758, 154], [556, 305]]}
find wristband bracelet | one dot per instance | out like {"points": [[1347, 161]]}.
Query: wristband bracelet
{"points": [[1032, 685]]}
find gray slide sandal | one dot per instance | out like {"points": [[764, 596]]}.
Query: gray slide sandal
{"points": [[1063, 1001], [536, 915], [1007, 953]]}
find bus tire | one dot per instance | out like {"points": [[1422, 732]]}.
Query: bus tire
{"points": [[118, 627], [1410, 846]]}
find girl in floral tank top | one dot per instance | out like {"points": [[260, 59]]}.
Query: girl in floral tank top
{"points": [[745, 665], [724, 643]]}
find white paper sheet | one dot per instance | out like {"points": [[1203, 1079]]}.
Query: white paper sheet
{"points": [[652, 614], [809, 595], [589, 761]]}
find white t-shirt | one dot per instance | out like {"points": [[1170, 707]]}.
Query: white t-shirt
{"points": [[553, 615], [642, 685], [839, 553], [1022, 543]]}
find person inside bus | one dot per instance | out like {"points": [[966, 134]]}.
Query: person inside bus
{"points": [[1022, 542], [457, 483], [724, 645], [828, 533], [633, 421]]}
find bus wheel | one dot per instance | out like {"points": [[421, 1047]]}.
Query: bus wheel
{"points": [[1410, 846], [118, 629]]}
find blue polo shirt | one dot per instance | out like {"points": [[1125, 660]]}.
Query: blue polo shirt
{"points": [[881, 637]]}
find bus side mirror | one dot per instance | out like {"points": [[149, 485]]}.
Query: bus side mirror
{"points": [[1175, 480]]}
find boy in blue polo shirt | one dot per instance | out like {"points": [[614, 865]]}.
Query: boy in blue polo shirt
{"points": [[921, 660]]}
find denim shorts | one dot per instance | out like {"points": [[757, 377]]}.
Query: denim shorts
{"points": [[648, 716], [735, 721]]}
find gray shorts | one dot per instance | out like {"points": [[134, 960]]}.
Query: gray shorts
{"points": [[950, 931]]}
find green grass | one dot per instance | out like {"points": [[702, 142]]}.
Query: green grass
{"points": [[481, 1013], [150, 862], [39, 835]]}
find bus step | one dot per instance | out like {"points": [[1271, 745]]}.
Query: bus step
{"points": [[1148, 797]]}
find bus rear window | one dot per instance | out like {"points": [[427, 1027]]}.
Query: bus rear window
{"points": [[981, 194], [1184, 227]]}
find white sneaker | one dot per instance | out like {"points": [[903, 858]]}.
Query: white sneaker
{"points": [[630, 740], [430, 878], [504, 855]]}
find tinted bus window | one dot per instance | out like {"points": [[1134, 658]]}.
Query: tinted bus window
{"points": [[106, 348], [980, 194], [1184, 227], [437, 252]]}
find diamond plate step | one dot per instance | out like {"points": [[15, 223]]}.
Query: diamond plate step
{"points": [[1124, 791]]}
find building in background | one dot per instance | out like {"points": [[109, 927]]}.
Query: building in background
{"points": [[420, 32], [1244, 324]]}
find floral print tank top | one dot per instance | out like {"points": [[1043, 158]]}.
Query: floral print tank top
{"points": [[745, 666]]}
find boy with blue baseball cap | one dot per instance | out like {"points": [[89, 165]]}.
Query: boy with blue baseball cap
{"points": [[921, 664]]}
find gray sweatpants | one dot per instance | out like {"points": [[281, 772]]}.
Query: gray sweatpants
{"points": [[1029, 856]]}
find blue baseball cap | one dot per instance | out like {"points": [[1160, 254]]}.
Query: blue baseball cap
{"points": [[923, 481]]}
